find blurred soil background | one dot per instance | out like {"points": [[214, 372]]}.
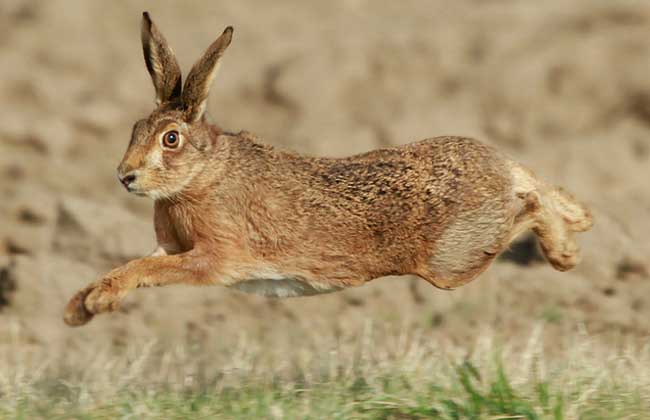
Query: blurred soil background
{"points": [[561, 86]]}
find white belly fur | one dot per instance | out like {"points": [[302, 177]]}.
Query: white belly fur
{"points": [[282, 287]]}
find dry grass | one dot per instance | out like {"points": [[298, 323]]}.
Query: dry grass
{"points": [[403, 375]]}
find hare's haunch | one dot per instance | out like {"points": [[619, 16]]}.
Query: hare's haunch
{"points": [[231, 210]]}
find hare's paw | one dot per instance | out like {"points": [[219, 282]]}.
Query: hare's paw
{"points": [[562, 256], [75, 313], [105, 296]]}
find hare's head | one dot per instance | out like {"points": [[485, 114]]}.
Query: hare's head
{"points": [[167, 148]]}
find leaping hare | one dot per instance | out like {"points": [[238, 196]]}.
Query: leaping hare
{"points": [[231, 210]]}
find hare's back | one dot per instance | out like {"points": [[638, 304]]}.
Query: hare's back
{"points": [[449, 170], [417, 191], [469, 170], [427, 182]]}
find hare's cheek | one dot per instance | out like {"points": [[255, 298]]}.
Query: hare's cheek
{"points": [[173, 161], [155, 159]]}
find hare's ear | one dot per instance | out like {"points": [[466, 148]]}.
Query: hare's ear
{"points": [[197, 85], [161, 62]]}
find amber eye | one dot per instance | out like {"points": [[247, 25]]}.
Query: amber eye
{"points": [[171, 139]]}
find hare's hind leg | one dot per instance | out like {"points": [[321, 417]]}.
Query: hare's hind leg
{"points": [[554, 216], [469, 244]]}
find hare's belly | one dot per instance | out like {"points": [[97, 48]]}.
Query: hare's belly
{"points": [[281, 285]]}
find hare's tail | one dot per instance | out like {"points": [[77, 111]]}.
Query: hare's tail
{"points": [[555, 216]]}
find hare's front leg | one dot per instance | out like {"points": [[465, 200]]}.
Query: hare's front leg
{"points": [[105, 295]]}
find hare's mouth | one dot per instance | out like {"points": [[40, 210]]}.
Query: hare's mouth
{"points": [[137, 190], [140, 191], [133, 188], [152, 193]]}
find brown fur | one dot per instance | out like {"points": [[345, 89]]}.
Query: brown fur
{"points": [[158, 56], [231, 210]]}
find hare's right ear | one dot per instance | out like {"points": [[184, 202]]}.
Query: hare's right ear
{"points": [[199, 79], [161, 62]]}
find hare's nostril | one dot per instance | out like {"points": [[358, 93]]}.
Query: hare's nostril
{"points": [[127, 179]]}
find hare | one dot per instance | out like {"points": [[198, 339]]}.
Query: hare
{"points": [[231, 210]]}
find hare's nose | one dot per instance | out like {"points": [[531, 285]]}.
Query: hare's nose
{"points": [[127, 179]]}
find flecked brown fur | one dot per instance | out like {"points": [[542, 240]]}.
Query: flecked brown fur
{"points": [[231, 210]]}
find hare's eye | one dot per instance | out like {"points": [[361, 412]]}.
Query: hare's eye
{"points": [[170, 139]]}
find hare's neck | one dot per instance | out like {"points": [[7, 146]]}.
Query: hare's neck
{"points": [[238, 167]]}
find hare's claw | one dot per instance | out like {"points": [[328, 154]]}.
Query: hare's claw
{"points": [[105, 297], [75, 313]]}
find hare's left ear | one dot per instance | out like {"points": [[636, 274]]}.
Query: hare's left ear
{"points": [[197, 85], [161, 62]]}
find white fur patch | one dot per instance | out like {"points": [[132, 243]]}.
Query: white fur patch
{"points": [[523, 180], [280, 288], [280, 285], [154, 158], [156, 195]]}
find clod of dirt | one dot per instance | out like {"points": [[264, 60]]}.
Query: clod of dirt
{"points": [[86, 230], [638, 105], [436, 320], [417, 296], [14, 171], [641, 149], [30, 216], [7, 282], [26, 12], [12, 248], [628, 268], [353, 301], [35, 144]]}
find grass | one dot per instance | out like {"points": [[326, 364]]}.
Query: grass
{"points": [[408, 378]]}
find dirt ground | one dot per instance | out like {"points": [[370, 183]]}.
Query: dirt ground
{"points": [[561, 86]]}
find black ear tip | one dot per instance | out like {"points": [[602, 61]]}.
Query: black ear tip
{"points": [[145, 16], [229, 30]]}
